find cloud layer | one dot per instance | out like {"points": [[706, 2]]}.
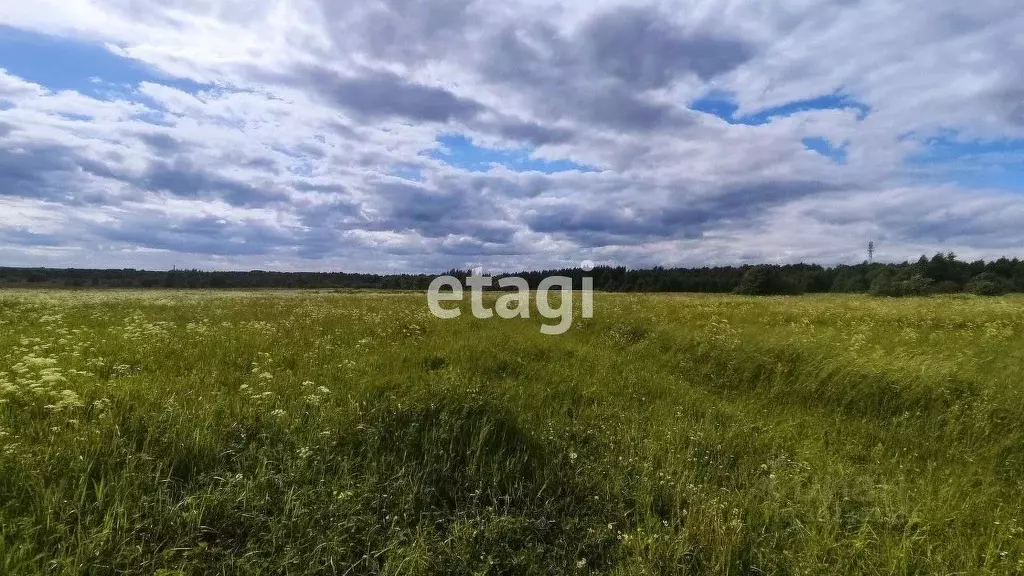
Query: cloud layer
{"points": [[413, 135]]}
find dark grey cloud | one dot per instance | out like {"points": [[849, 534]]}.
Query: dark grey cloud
{"points": [[598, 76], [381, 94], [676, 214], [506, 187], [55, 172], [20, 237], [747, 199], [1009, 98], [451, 209], [418, 205], [473, 249], [30, 173], [620, 225], [618, 108], [181, 177], [403, 30], [51, 172], [529, 132], [161, 143], [644, 49], [435, 213], [987, 223], [201, 235]]}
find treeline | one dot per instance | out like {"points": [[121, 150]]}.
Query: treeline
{"points": [[940, 274], [131, 278]]}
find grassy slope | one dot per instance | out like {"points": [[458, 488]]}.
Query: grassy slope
{"points": [[668, 435]]}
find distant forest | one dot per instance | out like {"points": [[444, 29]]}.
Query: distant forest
{"points": [[940, 274]]}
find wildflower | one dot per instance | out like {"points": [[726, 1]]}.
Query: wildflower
{"points": [[50, 376], [67, 399], [7, 388]]}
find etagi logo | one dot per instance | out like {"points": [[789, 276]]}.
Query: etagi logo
{"points": [[516, 303]]}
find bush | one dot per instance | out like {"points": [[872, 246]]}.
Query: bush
{"points": [[988, 284], [916, 285], [883, 285], [946, 287], [849, 281]]}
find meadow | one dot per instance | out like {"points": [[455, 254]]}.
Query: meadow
{"points": [[195, 433]]}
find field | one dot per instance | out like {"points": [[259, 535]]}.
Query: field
{"points": [[173, 432]]}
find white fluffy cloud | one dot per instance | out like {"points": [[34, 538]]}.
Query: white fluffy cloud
{"points": [[309, 134]]}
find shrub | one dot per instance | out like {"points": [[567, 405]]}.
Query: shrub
{"points": [[849, 281], [946, 287], [883, 285], [916, 285], [988, 284]]}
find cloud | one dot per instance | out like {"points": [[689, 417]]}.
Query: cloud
{"points": [[45, 171], [644, 49], [304, 134], [558, 81], [623, 222], [379, 94], [402, 30]]}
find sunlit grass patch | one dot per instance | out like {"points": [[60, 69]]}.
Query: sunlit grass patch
{"points": [[292, 432]]}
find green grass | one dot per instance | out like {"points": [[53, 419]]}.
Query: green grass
{"points": [[353, 433]]}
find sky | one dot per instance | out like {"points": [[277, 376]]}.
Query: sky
{"points": [[418, 136]]}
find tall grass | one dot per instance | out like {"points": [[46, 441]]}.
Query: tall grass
{"points": [[322, 433]]}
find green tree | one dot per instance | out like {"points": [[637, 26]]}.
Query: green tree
{"points": [[883, 285], [916, 285], [764, 280], [849, 280]]}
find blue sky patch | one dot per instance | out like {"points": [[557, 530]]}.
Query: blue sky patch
{"points": [[407, 172], [75, 117], [972, 163], [85, 67], [459, 151], [949, 147], [822, 146], [723, 105]]}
